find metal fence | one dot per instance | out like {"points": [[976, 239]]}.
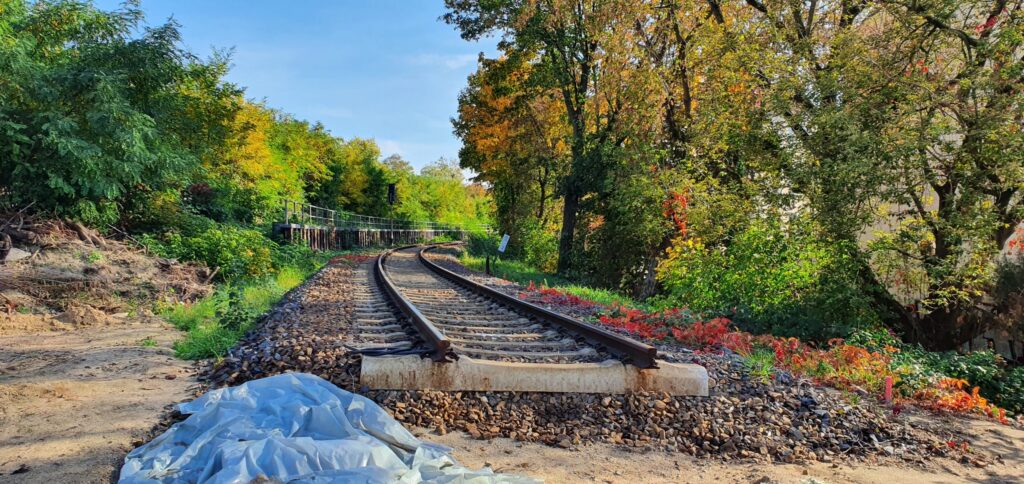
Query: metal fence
{"points": [[305, 214]]}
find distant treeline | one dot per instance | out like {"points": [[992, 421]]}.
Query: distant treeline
{"points": [[109, 122]]}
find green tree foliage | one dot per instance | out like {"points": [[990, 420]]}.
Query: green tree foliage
{"points": [[564, 40], [890, 129], [110, 122], [771, 280], [914, 123], [438, 194], [90, 114], [238, 252], [514, 137]]}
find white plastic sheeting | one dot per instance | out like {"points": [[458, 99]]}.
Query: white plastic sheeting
{"points": [[294, 428]]}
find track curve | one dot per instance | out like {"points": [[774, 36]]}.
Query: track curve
{"points": [[456, 316]]}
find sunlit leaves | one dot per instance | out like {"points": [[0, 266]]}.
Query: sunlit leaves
{"points": [[84, 102]]}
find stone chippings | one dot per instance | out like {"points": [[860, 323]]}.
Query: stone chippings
{"points": [[742, 419], [306, 332], [783, 420]]}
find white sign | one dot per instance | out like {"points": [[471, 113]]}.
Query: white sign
{"points": [[503, 244]]}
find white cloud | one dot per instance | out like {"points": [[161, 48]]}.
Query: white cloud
{"points": [[451, 62], [390, 147]]}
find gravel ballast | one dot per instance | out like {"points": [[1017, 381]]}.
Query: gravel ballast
{"points": [[782, 419]]}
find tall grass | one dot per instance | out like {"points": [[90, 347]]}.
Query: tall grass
{"points": [[523, 273], [760, 363], [213, 324]]}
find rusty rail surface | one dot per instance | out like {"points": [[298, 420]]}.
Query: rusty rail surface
{"points": [[629, 350], [439, 344]]}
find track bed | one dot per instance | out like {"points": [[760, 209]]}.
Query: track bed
{"points": [[480, 327], [480, 339]]}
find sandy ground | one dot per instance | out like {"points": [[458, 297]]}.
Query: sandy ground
{"points": [[72, 403], [610, 464]]}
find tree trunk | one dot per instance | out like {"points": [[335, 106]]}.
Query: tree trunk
{"points": [[898, 317], [565, 242], [543, 182], [947, 329], [649, 285], [5, 245]]}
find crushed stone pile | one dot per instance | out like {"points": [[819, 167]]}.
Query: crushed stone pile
{"points": [[782, 420], [306, 332]]}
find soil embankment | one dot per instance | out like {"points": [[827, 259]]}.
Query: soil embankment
{"points": [[86, 370]]}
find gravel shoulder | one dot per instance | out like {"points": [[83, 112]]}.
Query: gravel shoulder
{"points": [[747, 430], [614, 464], [996, 451], [72, 403]]}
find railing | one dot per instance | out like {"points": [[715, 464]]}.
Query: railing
{"points": [[306, 214]]}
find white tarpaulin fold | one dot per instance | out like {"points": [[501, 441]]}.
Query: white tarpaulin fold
{"points": [[293, 428]]}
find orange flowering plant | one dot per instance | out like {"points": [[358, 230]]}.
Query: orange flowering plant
{"points": [[862, 363]]}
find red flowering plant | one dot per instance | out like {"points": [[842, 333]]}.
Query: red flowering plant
{"points": [[682, 325], [716, 333], [559, 298], [951, 395], [554, 297], [839, 364], [636, 322], [847, 365], [1015, 245]]}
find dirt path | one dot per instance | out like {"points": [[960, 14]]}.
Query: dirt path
{"points": [[612, 464], [72, 403]]}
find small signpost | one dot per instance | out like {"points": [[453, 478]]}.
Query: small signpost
{"points": [[501, 248]]}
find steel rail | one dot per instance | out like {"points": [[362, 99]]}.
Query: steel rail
{"points": [[439, 345], [639, 354]]}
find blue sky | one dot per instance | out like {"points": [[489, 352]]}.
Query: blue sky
{"points": [[381, 69]]}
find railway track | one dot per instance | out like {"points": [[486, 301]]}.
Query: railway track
{"points": [[377, 327], [481, 339]]}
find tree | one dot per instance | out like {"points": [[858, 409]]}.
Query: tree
{"points": [[396, 164], [694, 120], [565, 36], [85, 117], [515, 138], [911, 110]]}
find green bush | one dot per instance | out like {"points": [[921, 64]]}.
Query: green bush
{"points": [[539, 247], [95, 106], [228, 202], [236, 251], [1010, 394], [919, 369], [94, 214], [294, 256], [982, 369], [874, 339], [529, 243], [155, 211], [770, 280], [482, 244]]}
